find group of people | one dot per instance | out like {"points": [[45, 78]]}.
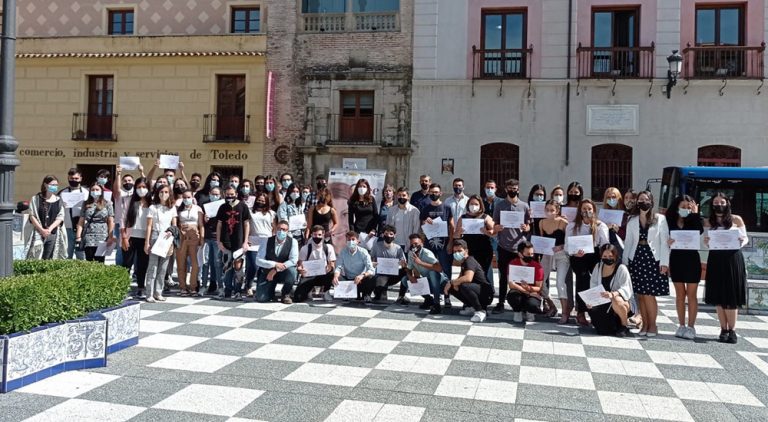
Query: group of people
{"points": [[268, 231]]}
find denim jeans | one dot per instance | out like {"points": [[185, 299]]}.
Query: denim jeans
{"points": [[212, 266], [71, 246], [251, 269], [265, 290], [436, 282]]}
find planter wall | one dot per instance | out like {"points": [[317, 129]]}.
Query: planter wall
{"points": [[78, 344]]}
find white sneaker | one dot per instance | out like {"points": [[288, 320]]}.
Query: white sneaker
{"points": [[690, 334], [328, 297], [530, 317], [680, 332], [467, 311], [479, 316], [517, 317]]}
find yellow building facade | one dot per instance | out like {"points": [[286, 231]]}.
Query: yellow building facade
{"points": [[86, 101]]}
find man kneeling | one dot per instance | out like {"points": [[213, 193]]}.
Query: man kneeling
{"points": [[524, 295], [471, 287], [277, 259], [315, 250], [355, 264]]}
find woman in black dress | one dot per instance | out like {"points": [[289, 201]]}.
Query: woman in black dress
{"points": [[362, 214], [684, 265], [726, 279], [479, 244], [322, 214]]}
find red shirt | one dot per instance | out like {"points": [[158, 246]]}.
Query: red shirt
{"points": [[539, 272]]}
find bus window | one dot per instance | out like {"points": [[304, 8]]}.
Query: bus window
{"points": [[670, 187], [761, 211], [704, 196]]}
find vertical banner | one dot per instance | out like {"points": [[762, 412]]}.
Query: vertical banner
{"points": [[342, 182]]}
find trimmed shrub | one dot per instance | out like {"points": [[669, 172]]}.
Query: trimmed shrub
{"points": [[43, 292]]}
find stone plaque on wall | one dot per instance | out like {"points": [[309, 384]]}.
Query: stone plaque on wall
{"points": [[613, 120]]}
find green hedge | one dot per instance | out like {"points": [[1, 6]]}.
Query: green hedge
{"points": [[43, 292]]}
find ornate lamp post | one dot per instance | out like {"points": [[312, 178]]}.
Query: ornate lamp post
{"points": [[675, 61]]}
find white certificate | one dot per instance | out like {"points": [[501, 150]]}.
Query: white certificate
{"points": [[129, 163], [611, 216], [297, 222], [569, 213], [212, 208], [521, 274], [315, 267], [107, 196], [103, 250], [438, 228], [543, 245], [162, 245], [592, 296], [345, 290], [387, 266], [420, 287], [72, 199], [472, 225], [512, 219], [573, 244], [724, 240], [686, 239], [371, 241], [169, 161], [537, 209]]}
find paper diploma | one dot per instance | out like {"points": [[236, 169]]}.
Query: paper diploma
{"points": [[387, 266], [169, 161], [724, 240], [543, 245], [345, 290], [611, 216], [521, 274], [438, 228], [162, 245], [420, 287], [72, 199], [212, 208], [103, 250], [297, 222], [592, 296], [573, 244], [107, 196], [569, 213], [315, 267], [538, 209], [686, 239], [512, 219], [472, 225], [129, 163]]}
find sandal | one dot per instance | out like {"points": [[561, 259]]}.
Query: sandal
{"points": [[582, 320], [183, 293], [564, 319]]}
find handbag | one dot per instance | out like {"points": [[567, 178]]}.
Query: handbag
{"points": [[80, 244]]}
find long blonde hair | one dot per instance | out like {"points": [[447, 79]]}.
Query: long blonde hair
{"points": [[579, 220], [615, 191]]}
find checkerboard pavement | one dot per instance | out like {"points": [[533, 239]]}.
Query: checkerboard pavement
{"points": [[201, 359]]}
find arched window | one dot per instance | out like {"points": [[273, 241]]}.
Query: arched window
{"points": [[719, 156], [499, 161], [611, 167]]}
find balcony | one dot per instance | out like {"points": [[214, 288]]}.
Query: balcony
{"points": [[94, 127], [721, 62], [501, 64], [351, 22], [342, 130], [615, 62], [220, 128]]}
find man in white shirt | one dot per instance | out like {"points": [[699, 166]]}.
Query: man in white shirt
{"points": [[458, 201], [277, 259], [404, 218], [72, 215], [315, 249]]}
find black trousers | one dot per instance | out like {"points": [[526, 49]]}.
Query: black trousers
{"points": [[476, 295], [384, 281], [130, 255], [505, 257], [90, 254], [521, 302], [140, 259], [306, 284], [582, 270]]}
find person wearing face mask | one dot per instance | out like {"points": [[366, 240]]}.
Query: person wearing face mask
{"points": [[258, 183], [315, 249], [558, 195], [246, 193], [575, 194], [161, 221], [423, 263], [72, 215], [387, 248], [213, 180], [404, 218], [46, 216], [440, 246], [263, 226], [362, 214], [509, 237], [478, 243], [212, 274], [321, 183], [191, 225], [292, 206], [458, 201], [684, 265], [420, 198], [524, 296], [270, 186], [179, 187], [232, 232], [102, 179], [611, 318], [133, 232], [490, 201], [234, 181], [470, 287], [323, 214], [286, 180], [387, 202], [194, 182], [122, 191], [612, 200], [277, 259], [536, 194], [96, 223], [554, 227], [726, 278], [630, 197], [582, 263], [168, 174], [354, 264], [646, 254]]}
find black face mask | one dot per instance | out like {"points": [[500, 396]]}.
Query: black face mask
{"points": [[317, 240], [415, 249], [195, 184], [434, 197], [389, 239], [574, 198], [74, 183], [259, 187], [644, 206], [231, 199], [177, 190], [424, 186], [719, 209], [608, 261], [512, 193], [402, 201], [127, 186], [321, 185], [527, 259], [259, 206]]}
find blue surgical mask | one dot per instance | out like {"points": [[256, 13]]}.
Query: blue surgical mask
{"points": [[295, 195], [683, 212], [538, 198], [304, 195], [246, 191], [214, 184], [287, 183], [234, 184], [170, 179], [352, 245], [612, 202], [187, 201], [95, 194], [102, 181], [458, 256], [215, 198], [53, 188], [269, 187], [490, 192], [281, 235]]}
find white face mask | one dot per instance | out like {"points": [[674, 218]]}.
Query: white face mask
{"points": [[142, 192], [558, 198], [474, 208], [362, 190]]}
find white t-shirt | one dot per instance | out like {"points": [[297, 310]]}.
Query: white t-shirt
{"points": [[139, 228], [162, 217], [189, 216], [261, 226]]}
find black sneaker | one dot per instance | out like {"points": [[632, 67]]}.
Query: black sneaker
{"points": [[723, 338], [435, 310], [623, 332], [732, 338], [498, 309], [428, 302], [447, 302], [402, 300]]}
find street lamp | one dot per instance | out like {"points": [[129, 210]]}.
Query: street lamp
{"points": [[675, 61]]}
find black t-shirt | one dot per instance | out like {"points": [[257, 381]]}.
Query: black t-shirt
{"points": [[233, 220], [471, 264]]}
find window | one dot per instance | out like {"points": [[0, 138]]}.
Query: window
{"points": [[721, 25], [500, 162], [246, 20], [100, 102], [364, 6], [611, 167], [719, 156], [356, 120], [612, 32], [503, 41], [120, 22], [230, 108], [324, 6]]}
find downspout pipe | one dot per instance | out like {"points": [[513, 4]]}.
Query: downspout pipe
{"points": [[568, 88]]}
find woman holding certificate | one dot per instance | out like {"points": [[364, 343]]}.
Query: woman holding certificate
{"points": [[478, 241], [684, 261], [554, 227], [583, 237], [647, 255], [726, 278], [611, 279]]}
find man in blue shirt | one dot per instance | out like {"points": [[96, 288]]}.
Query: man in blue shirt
{"points": [[420, 198], [354, 263], [277, 258]]}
